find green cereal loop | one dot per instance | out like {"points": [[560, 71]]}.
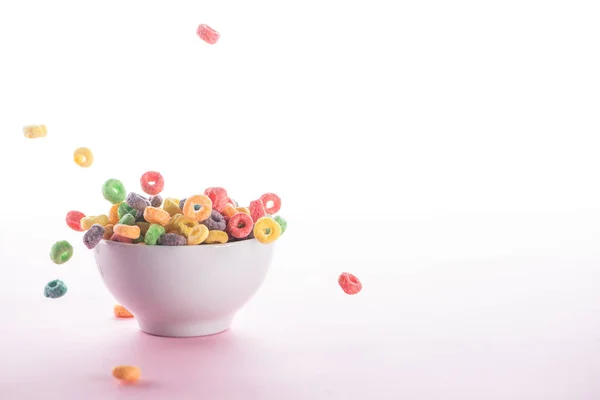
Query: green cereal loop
{"points": [[125, 209], [282, 222], [61, 252], [55, 289], [154, 233], [114, 191], [127, 219]]}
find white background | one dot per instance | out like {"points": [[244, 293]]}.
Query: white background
{"points": [[456, 138]]}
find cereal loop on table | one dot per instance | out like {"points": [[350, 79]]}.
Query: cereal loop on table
{"points": [[218, 197], [55, 289], [153, 234], [114, 191], [93, 236], [257, 210], [271, 202], [203, 213], [152, 182], [171, 206], [216, 237], [127, 373], [197, 235], [61, 252], [349, 283], [87, 222], [156, 215], [128, 231], [73, 220], [35, 131], [122, 312], [83, 157], [208, 34], [240, 225], [267, 230]]}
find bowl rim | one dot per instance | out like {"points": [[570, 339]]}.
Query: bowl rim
{"points": [[107, 242]]}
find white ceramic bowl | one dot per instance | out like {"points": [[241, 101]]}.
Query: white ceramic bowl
{"points": [[183, 291]]}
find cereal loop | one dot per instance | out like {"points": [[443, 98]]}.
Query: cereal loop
{"points": [[184, 225], [113, 214], [155, 215], [127, 373], [55, 289], [83, 157], [93, 236], [122, 312], [61, 252], [208, 34], [257, 210], [172, 239], [171, 206], [87, 222], [152, 183], [218, 197], [35, 131], [73, 219], [197, 235], [267, 230], [282, 222], [268, 198], [349, 283], [244, 210], [128, 231], [229, 211], [216, 237], [240, 225], [205, 207], [153, 234], [114, 191], [108, 231]]}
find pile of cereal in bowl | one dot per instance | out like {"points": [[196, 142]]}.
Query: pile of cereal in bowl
{"points": [[209, 217]]}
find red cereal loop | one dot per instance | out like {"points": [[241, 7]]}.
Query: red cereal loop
{"points": [[349, 283], [271, 197], [152, 183], [240, 225], [257, 210], [119, 238], [208, 34], [219, 198], [73, 219]]}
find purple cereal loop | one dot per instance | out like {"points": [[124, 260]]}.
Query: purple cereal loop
{"points": [[182, 202], [156, 201], [172, 239], [93, 236], [216, 222], [137, 201]]}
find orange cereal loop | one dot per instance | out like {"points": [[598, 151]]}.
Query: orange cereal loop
{"points": [[171, 206], [113, 214], [122, 312], [108, 231], [185, 225], [229, 211], [83, 157], [156, 215], [35, 131], [127, 373], [144, 226], [128, 231], [245, 210], [205, 203]]}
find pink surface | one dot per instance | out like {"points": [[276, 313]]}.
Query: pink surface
{"points": [[515, 319]]}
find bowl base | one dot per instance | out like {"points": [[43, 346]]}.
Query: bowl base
{"points": [[187, 329]]}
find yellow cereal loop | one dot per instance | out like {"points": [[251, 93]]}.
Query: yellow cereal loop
{"points": [[83, 157], [172, 225], [171, 206], [127, 373], [266, 230], [245, 210], [185, 225], [87, 222], [197, 234], [35, 131], [216, 237]]}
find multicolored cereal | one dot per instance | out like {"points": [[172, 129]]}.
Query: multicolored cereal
{"points": [[216, 222], [208, 34], [121, 239], [172, 239], [216, 237], [121, 312], [124, 208], [197, 235], [108, 231], [73, 220], [156, 215], [128, 231], [240, 225], [282, 222], [127, 373], [218, 197], [266, 230], [127, 219], [171, 206], [156, 201], [87, 222], [35, 131], [137, 201], [271, 202], [257, 210], [83, 157], [349, 283], [152, 182], [205, 203], [153, 234], [114, 191]]}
